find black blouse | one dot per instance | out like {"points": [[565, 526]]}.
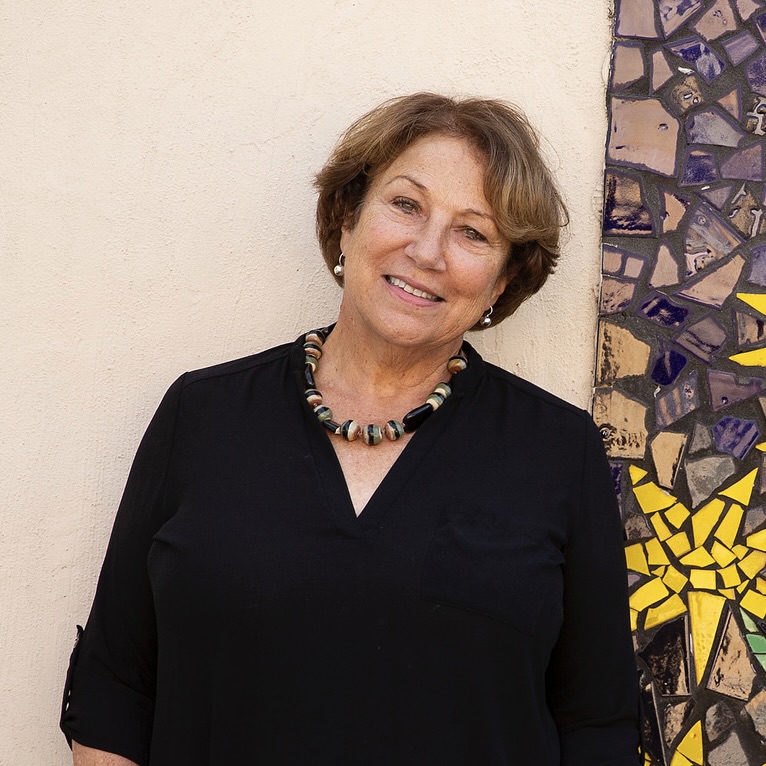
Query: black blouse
{"points": [[475, 613]]}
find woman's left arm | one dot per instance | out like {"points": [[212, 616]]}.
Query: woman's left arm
{"points": [[592, 683]]}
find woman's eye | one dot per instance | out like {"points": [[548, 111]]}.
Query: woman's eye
{"points": [[407, 205], [476, 236]]}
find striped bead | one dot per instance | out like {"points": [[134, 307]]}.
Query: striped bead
{"points": [[322, 412], [445, 389], [371, 434], [393, 430], [308, 377], [310, 361], [435, 400], [312, 349], [456, 364], [314, 337], [313, 397], [331, 426], [350, 430]]}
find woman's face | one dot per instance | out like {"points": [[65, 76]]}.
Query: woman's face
{"points": [[424, 259]]}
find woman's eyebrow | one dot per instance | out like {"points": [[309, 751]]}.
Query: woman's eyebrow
{"points": [[423, 187]]}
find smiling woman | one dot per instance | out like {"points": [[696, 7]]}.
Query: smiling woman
{"points": [[400, 585]]}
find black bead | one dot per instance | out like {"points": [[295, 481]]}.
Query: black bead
{"points": [[308, 377], [415, 418], [331, 425]]}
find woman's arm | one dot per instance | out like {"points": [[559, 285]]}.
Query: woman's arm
{"points": [[87, 756]]}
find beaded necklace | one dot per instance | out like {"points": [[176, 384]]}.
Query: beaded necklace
{"points": [[371, 434]]}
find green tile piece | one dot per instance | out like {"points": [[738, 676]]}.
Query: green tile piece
{"points": [[757, 643], [750, 626]]}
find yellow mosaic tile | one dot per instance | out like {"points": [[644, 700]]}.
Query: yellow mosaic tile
{"points": [[635, 558], [753, 563], [705, 519], [754, 358], [756, 300], [691, 745], [729, 593], [679, 544], [730, 576], [741, 490], [677, 515], [728, 528], [760, 585], [757, 540], [722, 554], [740, 551], [667, 610], [743, 587], [761, 447], [633, 620], [704, 613], [652, 498], [659, 572], [675, 580], [648, 594], [703, 579], [678, 760], [755, 603], [699, 557], [660, 527], [655, 553], [636, 474]]}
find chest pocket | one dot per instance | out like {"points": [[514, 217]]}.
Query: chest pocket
{"points": [[475, 563]]}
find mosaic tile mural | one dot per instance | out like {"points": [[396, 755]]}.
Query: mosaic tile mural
{"points": [[680, 392]]}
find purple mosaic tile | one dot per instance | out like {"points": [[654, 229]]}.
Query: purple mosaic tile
{"points": [[625, 212], [734, 436], [718, 196], [711, 126], [636, 18], [756, 74], [745, 164], [696, 52], [700, 167], [668, 367], [760, 24], [708, 240], [678, 402], [660, 309], [757, 273], [740, 47], [704, 339], [726, 389], [675, 13]]}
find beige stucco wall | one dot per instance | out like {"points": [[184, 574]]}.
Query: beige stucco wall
{"points": [[156, 216]]}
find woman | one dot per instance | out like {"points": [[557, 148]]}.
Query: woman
{"points": [[301, 574]]}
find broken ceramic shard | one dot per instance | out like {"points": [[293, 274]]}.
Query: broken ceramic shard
{"points": [[727, 389], [756, 74], [674, 13], [745, 213], [703, 338], [659, 308], [735, 436], [660, 71], [718, 195], [622, 423], [679, 401], [740, 47], [667, 367], [745, 164], [710, 126], [699, 167], [708, 239], [616, 295], [750, 330], [621, 354], [627, 64], [667, 657], [754, 519], [704, 614], [667, 448], [666, 270], [625, 212], [716, 21], [757, 273], [716, 286], [732, 103], [643, 134], [675, 716], [706, 474], [718, 721], [701, 439], [728, 753], [673, 207], [686, 94], [635, 18], [732, 672], [701, 56]]}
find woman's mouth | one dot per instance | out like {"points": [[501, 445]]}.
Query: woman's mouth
{"points": [[401, 284]]}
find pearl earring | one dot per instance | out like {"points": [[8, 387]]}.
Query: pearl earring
{"points": [[486, 320], [339, 267]]}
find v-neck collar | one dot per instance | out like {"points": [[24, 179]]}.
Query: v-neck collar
{"points": [[333, 487]]}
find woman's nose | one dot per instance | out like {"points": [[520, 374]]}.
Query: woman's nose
{"points": [[427, 248]]}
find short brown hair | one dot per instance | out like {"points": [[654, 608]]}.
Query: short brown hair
{"points": [[528, 208]]}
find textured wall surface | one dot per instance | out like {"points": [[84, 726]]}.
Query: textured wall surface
{"points": [[157, 215]]}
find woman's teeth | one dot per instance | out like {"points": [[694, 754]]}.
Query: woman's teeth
{"points": [[411, 290]]}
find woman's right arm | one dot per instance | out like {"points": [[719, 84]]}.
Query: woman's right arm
{"points": [[87, 756]]}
